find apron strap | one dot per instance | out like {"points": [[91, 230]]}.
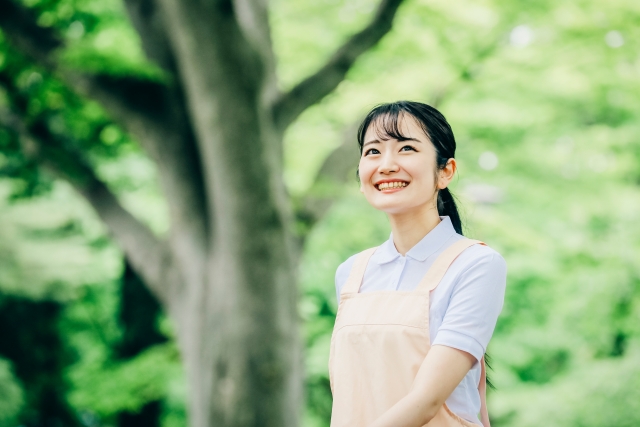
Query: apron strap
{"points": [[357, 272], [431, 280], [440, 266], [482, 388]]}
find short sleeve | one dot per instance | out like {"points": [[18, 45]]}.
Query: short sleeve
{"points": [[342, 274], [476, 301]]}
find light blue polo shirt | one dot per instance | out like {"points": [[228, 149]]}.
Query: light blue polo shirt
{"points": [[464, 307]]}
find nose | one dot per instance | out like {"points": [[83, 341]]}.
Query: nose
{"points": [[388, 164]]}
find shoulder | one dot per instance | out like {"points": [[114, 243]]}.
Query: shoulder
{"points": [[481, 256], [343, 271], [479, 267]]}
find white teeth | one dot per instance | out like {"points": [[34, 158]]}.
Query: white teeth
{"points": [[394, 184]]}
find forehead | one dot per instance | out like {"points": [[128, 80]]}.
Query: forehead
{"points": [[388, 127]]}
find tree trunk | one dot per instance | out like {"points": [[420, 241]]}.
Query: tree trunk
{"points": [[247, 370], [238, 328], [227, 273], [242, 364]]}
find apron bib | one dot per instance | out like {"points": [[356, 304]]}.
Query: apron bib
{"points": [[378, 343]]}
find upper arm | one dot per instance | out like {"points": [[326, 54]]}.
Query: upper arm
{"points": [[440, 373], [475, 304]]}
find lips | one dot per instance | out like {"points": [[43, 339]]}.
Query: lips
{"points": [[390, 185]]}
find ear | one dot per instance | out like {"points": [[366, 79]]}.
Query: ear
{"points": [[446, 174]]}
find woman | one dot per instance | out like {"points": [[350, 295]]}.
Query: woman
{"points": [[415, 314]]}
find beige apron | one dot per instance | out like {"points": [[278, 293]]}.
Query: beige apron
{"points": [[379, 341]]}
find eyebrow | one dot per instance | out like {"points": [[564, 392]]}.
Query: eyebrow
{"points": [[377, 141]]}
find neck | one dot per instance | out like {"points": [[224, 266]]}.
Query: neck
{"points": [[409, 228]]}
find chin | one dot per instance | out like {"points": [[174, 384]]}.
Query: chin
{"points": [[394, 208], [399, 206]]}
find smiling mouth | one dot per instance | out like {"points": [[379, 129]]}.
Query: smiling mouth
{"points": [[391, 185]]}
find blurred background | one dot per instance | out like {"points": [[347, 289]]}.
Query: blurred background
{"points": [[544, 99]]}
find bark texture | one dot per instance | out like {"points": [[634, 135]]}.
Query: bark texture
{"points": [[226, 273]]}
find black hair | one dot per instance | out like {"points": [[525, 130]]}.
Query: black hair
{"points": [[386, 119]]}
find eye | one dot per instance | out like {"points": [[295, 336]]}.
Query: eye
{"points": [[408, 147], [371, 151]]}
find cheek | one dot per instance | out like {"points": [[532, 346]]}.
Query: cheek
{"points": [[365, 170], [421, 176]]}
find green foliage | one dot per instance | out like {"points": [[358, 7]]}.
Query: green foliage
{"points": [[11, 395], [54, 252], [546, 92], [124, 386], [30, 339], [542, 97]]}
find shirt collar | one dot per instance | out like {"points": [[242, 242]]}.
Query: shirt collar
{"points": [[429, 244]]}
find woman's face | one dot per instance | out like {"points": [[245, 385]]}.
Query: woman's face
{"points": [[400, 176]]}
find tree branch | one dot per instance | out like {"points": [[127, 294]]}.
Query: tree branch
{"points": [[148, 21], [223, 76], [468, 69], [315, 87], [338, 168], [137, 104], [153, 112], [40, 44], [150, 257], [253, 19], [26, 35]]}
